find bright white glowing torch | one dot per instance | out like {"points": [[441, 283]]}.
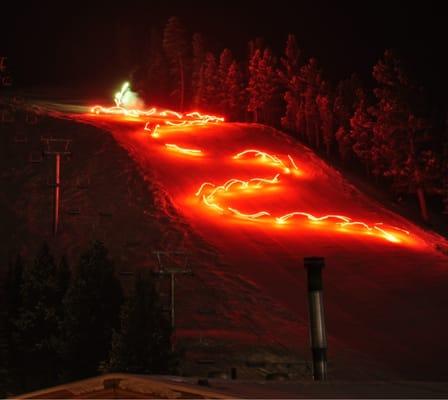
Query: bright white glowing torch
{"points": [[119, 96]]}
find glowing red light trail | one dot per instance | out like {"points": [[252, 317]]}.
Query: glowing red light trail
{"points": [[268, 159], [190, 152]]}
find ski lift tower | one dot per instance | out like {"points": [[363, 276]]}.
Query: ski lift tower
{"points": [[57, 147], [166, 269]]}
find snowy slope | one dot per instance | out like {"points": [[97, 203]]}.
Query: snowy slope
{"points": [[385, 301]]}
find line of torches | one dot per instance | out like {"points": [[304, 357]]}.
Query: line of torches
{"points": [[209, 193]]}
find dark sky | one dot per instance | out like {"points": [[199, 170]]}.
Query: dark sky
{"points": [[76, 43]]}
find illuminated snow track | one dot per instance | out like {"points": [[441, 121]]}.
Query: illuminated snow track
{"points": [[211, 194]]}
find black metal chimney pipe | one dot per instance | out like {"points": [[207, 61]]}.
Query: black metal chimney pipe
{"points": [[318, 335]]}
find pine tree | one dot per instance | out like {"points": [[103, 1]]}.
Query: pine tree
{"points": [[344, 142], [445, 168], [225, 61], [254, 45], [142, 345], [311, 75], [290, 61], [301, 119], [362, 139], [445, 189], [37, 354], [63, 277], [345, 103], [254, 86], [14, 281], [156, 76], [92, 305], [199, 52], [291, 83], [324, 102], [402, 130], [235, 93], [289, 120], [262, 84], [207, 96], [176, 49], [9, 360]]}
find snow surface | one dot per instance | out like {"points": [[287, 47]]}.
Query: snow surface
{"points": [[385, 302]]}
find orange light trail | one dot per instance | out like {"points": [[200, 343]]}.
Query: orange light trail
{"points": [[202, 187], [269, 159], [311, 217], [190, 152], [196, 115], [264, 156], [119, 110], [396, 228], [170, 117], [210, 192], [231, 182], [195, 118], [152, 128], [167, 113], [254, 216], [212, 205], [292, 162]]}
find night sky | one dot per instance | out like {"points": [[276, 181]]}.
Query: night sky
{"points": [[75, 44]]}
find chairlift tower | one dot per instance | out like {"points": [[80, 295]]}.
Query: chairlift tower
{"points": [[57, 147], [172, 271]]}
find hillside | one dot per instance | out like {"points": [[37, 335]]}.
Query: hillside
{"points": [[245, 305], [379, 294]]}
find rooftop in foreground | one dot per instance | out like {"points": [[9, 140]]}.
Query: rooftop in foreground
{"points": [[116, 386]]}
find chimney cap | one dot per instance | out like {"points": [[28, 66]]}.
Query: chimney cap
{"points": [[314, 262]]}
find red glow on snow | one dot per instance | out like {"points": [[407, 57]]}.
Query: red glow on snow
{"points": [[214, 196]]}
